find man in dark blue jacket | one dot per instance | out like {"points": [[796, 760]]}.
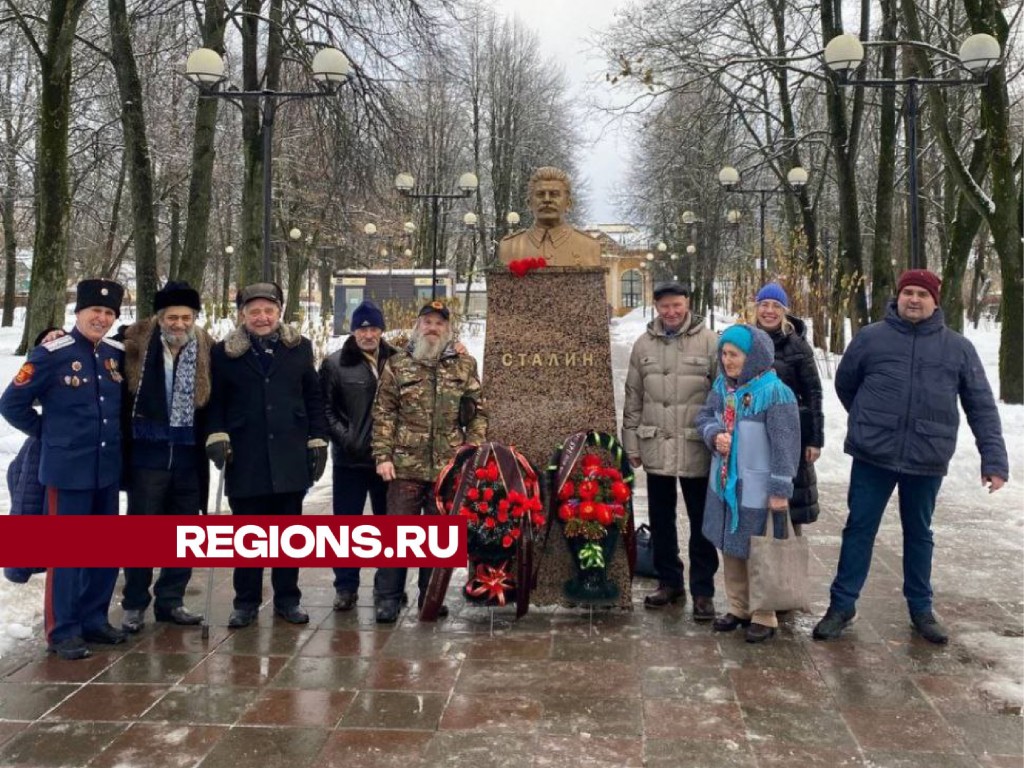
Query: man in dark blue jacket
{"points": [[77, 380], [899, 381]]}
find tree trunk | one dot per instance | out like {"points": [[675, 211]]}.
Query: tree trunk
{"points": [[963, 231], [197, 220], [10, 233], [140, 171], [48, 289], [883, 282]]}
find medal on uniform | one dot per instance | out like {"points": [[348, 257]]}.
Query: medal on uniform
{"points": [[67, 381], [111, 366], [76, 366], [75, 381]]}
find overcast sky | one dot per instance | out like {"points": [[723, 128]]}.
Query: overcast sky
{"points": [[564, 27]]}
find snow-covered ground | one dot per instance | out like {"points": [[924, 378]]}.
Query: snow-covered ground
{"points": [[1002, 513]]}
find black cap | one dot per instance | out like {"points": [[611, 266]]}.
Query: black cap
{"points": [[670, 288], [176, 294], [99, 293], [268, 291], [435, 306]]}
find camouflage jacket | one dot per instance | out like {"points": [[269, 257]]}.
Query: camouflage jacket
{"points": [[416, 423]]}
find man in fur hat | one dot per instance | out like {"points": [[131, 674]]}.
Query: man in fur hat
{"points": [[267, 432], [167, 366], [77, 380]]}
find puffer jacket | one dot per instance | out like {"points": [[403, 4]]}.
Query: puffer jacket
{"points": [[794, 362], [667, 384], [425, 411], [899, 382], [349, 387], [768, 449]]}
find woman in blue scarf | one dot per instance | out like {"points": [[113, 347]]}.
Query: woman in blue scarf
{"points": [[752, 425]]}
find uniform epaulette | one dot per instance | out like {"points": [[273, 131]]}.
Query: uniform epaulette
{"points": [[113, 343], [59, 343]]}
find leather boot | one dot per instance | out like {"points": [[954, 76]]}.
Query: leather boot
{"points": [[663, 596]]}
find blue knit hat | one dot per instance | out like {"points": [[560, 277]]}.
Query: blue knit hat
{"points": [[773, 292], [739, 336], [367, 315]]}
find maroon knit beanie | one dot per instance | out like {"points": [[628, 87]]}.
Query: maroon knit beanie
{"points": [[920, 278]]}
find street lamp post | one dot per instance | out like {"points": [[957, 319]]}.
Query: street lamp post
{"points": [[205, 70], [405, 184], [979, 54], [729, 178]]}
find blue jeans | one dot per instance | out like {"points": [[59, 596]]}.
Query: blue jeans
{"points": [[351, 487], [870, 490]]}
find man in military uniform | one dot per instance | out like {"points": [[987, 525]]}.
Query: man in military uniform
{"points": [[430, 397], [77, 380], [550, 198]]}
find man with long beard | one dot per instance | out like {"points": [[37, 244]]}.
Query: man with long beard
{"points": [[430, 396], [167, 366]]}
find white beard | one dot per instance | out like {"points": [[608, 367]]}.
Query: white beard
{"points": [[428, 350]]}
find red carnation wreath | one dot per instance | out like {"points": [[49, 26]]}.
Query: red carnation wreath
{"points": [[522, 267]]}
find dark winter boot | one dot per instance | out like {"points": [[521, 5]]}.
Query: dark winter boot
{"points": [[928, 627]]}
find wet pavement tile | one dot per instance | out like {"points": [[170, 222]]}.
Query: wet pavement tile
{"points": [[857, 688], [343, 642], [591, 751], [875, 758], [901, 731], [267, 748], [318, 672], [265, 641], [606, 715], [174, 639], [514, 647], [298, 708], [954, 694], [51, 669], [391, 709], [28, 701], [491, 713], [1000, 761], [411, 675], [678, 651], [810, 726], [459, 750], [201, 704], [781, 755], [9, 730], [998, 734], [849, 653], [58, 745], [774, 686], [567, 648], [733, 752], [146, 745], [675, 718], [104, 702], [711, 684], [787, 654], [918, 656], [235, 671], [419, 643], [576, 677], [374, 749], [155, 668]]}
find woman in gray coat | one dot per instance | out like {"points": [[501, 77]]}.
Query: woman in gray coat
{"points": [[752, 424]]}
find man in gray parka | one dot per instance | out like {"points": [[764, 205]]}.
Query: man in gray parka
{"points": [[671, 370]]}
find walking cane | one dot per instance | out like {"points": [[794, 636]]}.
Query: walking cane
{"points": [[209, 577]]}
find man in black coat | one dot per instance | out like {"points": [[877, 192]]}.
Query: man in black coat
{"points": [[348, 378], [900, 380], [267, 432], [167, 371]]}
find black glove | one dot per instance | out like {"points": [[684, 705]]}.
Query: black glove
{"points": [[218, 450], [317, 453]]}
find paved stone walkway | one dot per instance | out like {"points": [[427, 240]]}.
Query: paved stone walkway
{"points": [[554, 689]]}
